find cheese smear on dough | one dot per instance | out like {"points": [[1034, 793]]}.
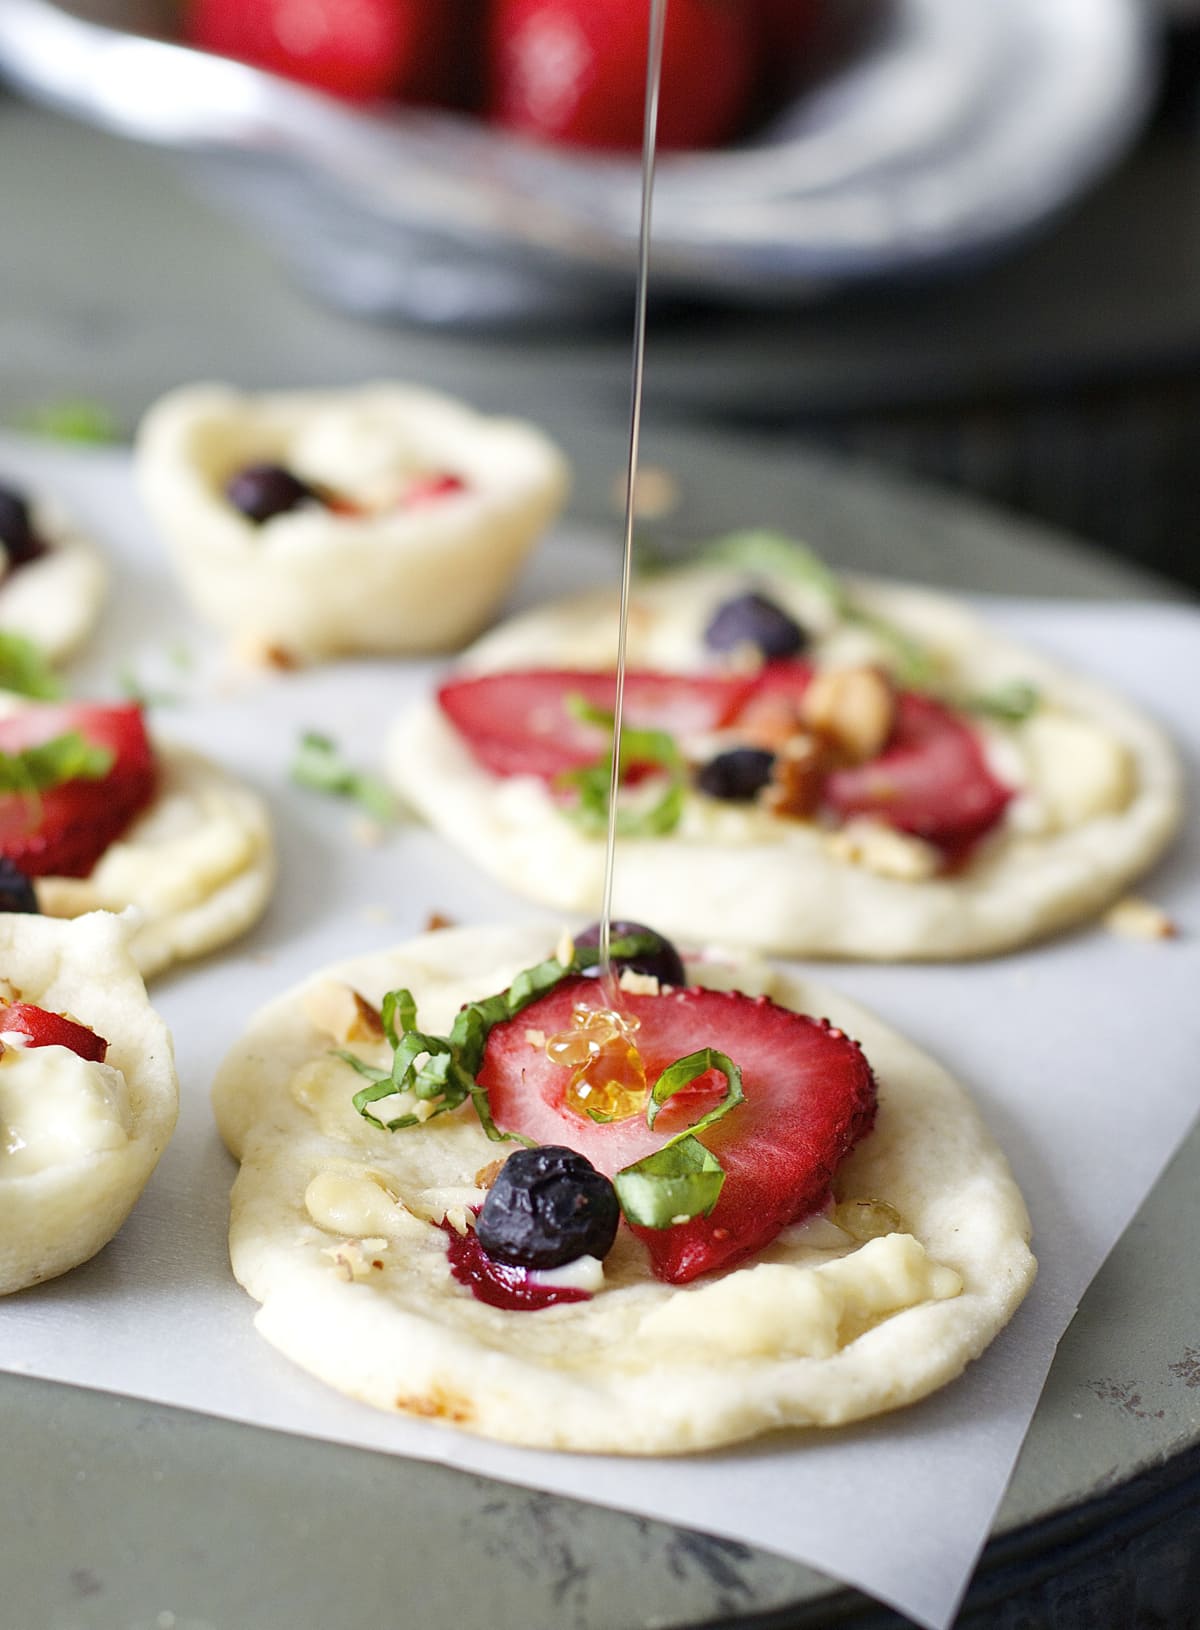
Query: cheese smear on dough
{"points": [[57, 1108]]}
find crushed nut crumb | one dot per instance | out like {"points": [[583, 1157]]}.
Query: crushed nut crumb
{"points": [[564, 951], [437, 920], [339, 1011], [638, 984], [1137, 919], [487, 1175], [854, 708], [536, 1038], [797, 776], [879, 848]]}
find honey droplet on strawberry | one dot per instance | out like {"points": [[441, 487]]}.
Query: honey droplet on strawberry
{"points": [[608, 1080]]}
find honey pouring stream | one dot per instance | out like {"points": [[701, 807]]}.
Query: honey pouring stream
{"points": [[658, 18]]}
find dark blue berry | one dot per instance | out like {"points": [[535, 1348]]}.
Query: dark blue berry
{"points": [[738, 775], [661, 960], [17, 534], [16, 891], [548, 1206], [262, 491], [752, 619]]}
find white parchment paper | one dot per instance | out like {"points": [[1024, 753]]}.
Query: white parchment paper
{"points": [[1082, 1055]]}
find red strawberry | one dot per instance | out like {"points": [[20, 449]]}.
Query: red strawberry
{"points": [[932, 779], [575, 70], [517, 723], [358, 49], [810, 1096], [46, 1029], [66, 829]]}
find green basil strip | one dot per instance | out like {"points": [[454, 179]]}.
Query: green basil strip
{"points": [[442, 1070], [320, 766], [777, 555], [686, 1070], [593, 782], [676, 1183], [24, 670], [1012, 702], [53, 763]]}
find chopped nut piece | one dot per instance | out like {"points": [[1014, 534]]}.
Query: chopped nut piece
{"points": [[638, 984], [342, 1013], [66, 896], [882, 850], [536, 1038], [1137, 919], [253, 651], [487, 1175], [437, 920], [797, 777], [867, 1219], [655, 493], [353, 1258], [855, 708], [456, 1216], [565, 949]]}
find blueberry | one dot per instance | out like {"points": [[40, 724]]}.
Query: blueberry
{"points": [[752, 619], [21, 542], [262, 491], [738, 775], [662, 961], [16, 891], [548, 1206]]}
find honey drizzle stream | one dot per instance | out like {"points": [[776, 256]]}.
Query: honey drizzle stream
{"points": [[658, 18]]}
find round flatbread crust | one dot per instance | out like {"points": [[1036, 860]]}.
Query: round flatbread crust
{"points": [[776, 886], [642, 1368], [56, 1218]]}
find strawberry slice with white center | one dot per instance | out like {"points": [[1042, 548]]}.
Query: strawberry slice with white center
{"points": [[932, 779], [521, 723], [45, 1029], [63, 830], [809, 1098]]}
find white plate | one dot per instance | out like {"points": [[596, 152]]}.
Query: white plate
{"points": [[958, 126]]}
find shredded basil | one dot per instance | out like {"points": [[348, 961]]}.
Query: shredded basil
{"points": [[318, 764], [74, 419], [593, 782], [24, 669], [69, 757], [1013, 702], [683, 1179], [680, 1181], [441, 1070], [777, 555]]}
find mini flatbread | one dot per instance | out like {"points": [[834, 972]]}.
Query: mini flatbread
{"points": [[111, 1122], [372, 574], [197, 866], [55, 600], [1100, 791], [335, 1231]]}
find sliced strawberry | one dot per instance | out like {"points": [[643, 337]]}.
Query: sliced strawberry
{"points": [[46, 1029], [575, 70], [66, 829], [932, 779], [810, 1096], [358, 49], [518, 723]]}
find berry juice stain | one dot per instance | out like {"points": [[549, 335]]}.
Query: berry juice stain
{"points": [[498, 1284]]}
